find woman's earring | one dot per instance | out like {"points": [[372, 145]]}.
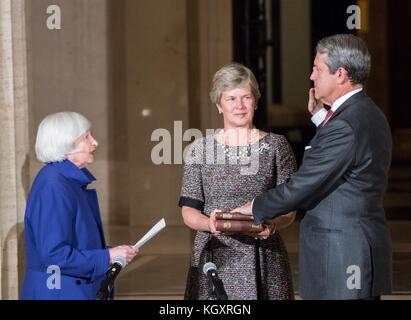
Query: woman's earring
{"points": [[255, 108]]}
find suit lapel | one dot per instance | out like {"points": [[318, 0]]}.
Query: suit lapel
{"points": [[351, 100]]}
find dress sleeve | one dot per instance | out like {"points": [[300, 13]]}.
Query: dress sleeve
{"points": [[284, 160], [192, 193]]}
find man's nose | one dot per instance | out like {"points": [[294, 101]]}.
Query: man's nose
{"points": [[312, 76]]}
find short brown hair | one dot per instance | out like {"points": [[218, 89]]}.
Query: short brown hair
{"points": [[232, 76]]}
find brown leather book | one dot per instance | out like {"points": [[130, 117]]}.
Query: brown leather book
{"points": [[238, 226], [233, 216]]}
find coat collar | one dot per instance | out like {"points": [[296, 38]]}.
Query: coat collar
{"points": [[351, 100], [70, 171]]}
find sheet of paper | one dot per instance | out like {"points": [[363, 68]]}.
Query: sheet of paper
{"points": [[151, 233]]}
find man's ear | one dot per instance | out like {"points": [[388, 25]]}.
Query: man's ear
{"points": [[342, 75]]}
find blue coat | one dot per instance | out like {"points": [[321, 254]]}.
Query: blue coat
{"points": [[62, 228]]}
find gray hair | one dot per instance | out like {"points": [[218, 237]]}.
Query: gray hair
{"points": [[57, 134], [232, 76], [349, 52]]}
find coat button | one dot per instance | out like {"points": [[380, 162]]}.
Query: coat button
{"points": [[78, 282]]}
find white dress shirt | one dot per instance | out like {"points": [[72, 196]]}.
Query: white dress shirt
{"points": [[319, 117]]}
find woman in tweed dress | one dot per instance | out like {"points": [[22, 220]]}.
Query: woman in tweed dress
{"points": [[221, 172]]}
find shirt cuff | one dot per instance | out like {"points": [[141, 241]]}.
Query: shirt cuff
{"points": [[319, 117], [252, 205]]}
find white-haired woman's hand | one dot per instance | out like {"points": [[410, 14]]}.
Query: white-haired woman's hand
{"points": [[124, 251]]}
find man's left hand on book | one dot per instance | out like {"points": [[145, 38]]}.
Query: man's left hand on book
{"points": [[261, 235]]}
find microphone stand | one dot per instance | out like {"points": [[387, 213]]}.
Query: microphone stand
{"points": [[220, 295], [106, 288], [216, 289], [216, 292], [211, 291], [105, 291]]}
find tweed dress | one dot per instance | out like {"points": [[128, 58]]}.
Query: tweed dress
{"points": [[249, 268]]}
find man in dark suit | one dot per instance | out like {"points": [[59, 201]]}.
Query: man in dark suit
{"points": [[345, 245]]}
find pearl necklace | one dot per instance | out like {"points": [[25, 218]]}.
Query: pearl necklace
{"points": [[244, 151]]}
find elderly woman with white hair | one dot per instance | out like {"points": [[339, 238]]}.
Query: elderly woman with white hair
{"points": [[66, 254]]}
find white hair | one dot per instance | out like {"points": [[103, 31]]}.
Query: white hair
{"points": [[57, 134]]}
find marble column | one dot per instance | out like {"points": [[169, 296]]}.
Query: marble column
{"points": [[13, 143], [156, 63], [68, 70], [210, 46], [171, 56]]}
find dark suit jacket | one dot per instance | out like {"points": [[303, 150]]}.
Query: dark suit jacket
{"points": [[345, 245]]}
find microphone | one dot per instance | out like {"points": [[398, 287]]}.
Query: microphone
{"points": [[112, 273], [210, 270]]}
